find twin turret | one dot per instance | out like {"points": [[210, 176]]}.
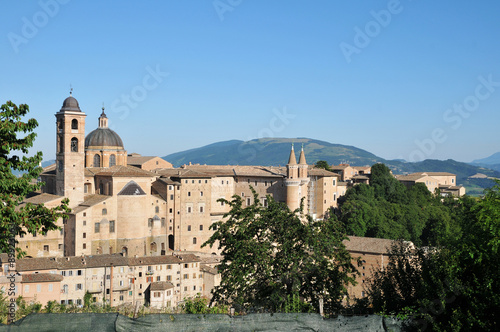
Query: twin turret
{"points": [[296, 180]]}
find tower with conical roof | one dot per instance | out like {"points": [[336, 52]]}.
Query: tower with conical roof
{"points": [[304, 178], [70, 151], [292, 182]]}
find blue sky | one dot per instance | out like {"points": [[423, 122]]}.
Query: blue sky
{"points": [[401, 79]]}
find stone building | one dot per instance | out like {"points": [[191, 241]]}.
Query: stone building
{"points": [[142, 205]]}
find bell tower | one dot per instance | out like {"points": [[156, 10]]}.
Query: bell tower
{"points": [[70, 154]]}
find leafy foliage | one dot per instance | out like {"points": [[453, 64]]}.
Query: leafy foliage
{"points": [[272, 254], [387, 209], [453, 287], [199, 305], [16, 219]]}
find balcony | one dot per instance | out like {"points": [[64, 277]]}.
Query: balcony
{"points": [[150, 273]]}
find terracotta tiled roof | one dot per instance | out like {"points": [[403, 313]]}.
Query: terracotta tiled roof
{"points": [[91, 200], [321, 172], [49, 170], [411, 177], [161, 285], [167, 259], [138, 160], [36, 264], [124, 171], [434, 173], [38, 198], [368, 244], [41, 277], [182, 173], [208, 269]]}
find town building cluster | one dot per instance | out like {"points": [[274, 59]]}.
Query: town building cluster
{"points": [[137, 224]]}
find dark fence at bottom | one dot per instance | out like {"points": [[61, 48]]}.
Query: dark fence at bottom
{"points": [[183, 322]]}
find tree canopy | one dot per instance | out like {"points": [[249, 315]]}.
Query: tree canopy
{"points": [[272, 255], [387, 209], [450, 287], [16, 219]]}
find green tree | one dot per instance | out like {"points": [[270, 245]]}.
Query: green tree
{"points": [[272, 254], [323, 164], [16, 137], [453, 287]]}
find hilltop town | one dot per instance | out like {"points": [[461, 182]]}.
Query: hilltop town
{"points": [[137, 224]]}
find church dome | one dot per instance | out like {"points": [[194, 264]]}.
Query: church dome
{"points": [[103, 137], [70, 104]]}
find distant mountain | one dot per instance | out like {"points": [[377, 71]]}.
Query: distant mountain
{"points": [[275, 152], [491, 160], [272, 152]]}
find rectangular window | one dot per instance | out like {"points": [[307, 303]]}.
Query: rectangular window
{"points": [[79, 272], [201, 209], [78, 287], [27, 288], [162, 222], [121, 297], [189, 193], [169, 278], [170, 210], [111, 226], [84, 235], [189, 228], [171, 197], [201, 227], [189, 209], [51, 287], [45, 248], [97, 227], [85, 223], [201, 193], [186, 276], [84, 246]]}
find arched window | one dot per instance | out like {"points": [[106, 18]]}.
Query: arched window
{"points": [[112, 160], [74, 124], [74, 144], [125, 251], [97, 160], [153, 247]]}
